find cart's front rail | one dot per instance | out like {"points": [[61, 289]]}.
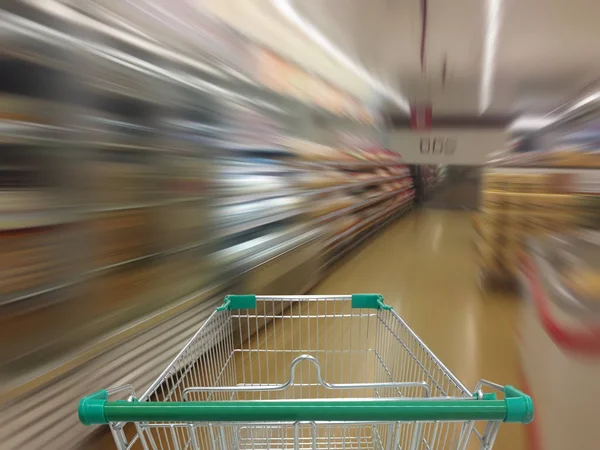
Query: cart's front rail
{"points": [[515, 407]]}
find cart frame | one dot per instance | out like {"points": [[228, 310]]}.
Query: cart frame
{"points": [[349, 374]]}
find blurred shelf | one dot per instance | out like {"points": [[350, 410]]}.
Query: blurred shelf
{"points": [[141, 205], [239, 168], [246, 255], [29, 133], [149, 126], [68, 215], [84, 276], [274, 248], [266, 219], [351, 242], [358, 184], [35, 292], [233, 147], [528, 195], [307, 192], [527, 169], [37, 219], [113, 146], [272, 216], [353, 165], [181, 249], [365, 223], [32, 379], [359, 206], [197, 127]]}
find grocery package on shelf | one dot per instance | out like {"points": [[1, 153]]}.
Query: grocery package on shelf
{"points": [[520, 203]]}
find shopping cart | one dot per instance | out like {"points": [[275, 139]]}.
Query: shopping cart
{"points": [[305, 372]]}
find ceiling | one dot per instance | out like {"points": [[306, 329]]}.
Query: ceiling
{"points": [[546, 52]]}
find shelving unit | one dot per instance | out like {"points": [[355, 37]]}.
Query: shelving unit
{"points": [[170, 185], [520, 203], [534, 194], [559, 326]]}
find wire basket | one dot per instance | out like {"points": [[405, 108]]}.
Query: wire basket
{"points": [[305, 372]]}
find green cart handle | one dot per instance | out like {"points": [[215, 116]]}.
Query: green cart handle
{"points": [[515, 407]]}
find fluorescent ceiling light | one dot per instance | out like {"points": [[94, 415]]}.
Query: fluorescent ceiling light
{"points": [[492, 28], [536, 122], [585, 101], [58, 9], [532, 123], [285, 7]]}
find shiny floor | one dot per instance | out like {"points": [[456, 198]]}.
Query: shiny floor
{"points": [[424, 267]]}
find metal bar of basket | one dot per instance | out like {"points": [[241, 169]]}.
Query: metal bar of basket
{"points": [[439, 363], [290, 382]]}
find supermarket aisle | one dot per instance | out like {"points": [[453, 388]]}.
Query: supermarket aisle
{"points": [[423, 265]]}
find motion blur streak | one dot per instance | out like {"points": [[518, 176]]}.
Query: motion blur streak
{"points": [[492, 29], [286, 8], [152, 159]]}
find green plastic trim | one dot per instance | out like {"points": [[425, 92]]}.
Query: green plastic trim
{"points": [[519, 406], [371, 301], [91, 408], [487, 396], [232, 302], [516, 407], [317, 410]]}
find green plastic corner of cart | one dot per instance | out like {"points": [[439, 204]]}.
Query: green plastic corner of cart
{"points": [[519, 406], [91, 408], [486, 396], [371, 301], [232, 302]]}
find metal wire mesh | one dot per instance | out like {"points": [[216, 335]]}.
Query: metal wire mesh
{"points": [[306, 347]]}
